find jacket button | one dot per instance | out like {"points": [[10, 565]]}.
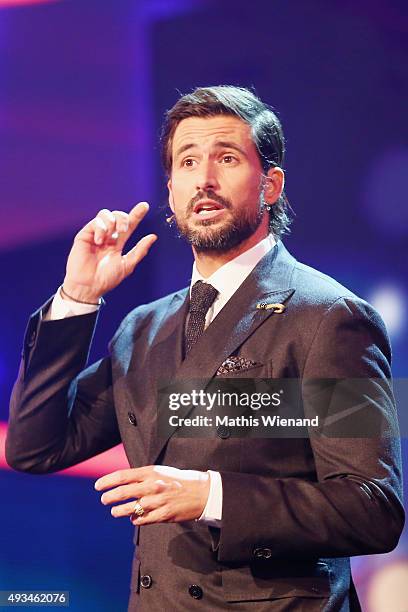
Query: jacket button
{"points": [[262, 553], [132, 418], [146, 581], [195, 591], [223, 432]]}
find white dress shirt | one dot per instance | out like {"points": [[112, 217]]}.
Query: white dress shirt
{"points": [[226, 280]]}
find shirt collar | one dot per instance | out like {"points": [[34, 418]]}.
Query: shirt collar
{"points": [[231, 275]]}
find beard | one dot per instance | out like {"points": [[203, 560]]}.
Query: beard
{"points": [[207, 237]]}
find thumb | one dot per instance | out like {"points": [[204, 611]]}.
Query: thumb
{"points": [[139, 251]]}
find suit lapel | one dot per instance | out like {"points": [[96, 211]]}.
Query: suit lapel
{"points": [[167, 347], [268, 282]]}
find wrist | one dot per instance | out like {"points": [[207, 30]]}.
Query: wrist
{"points": [[79, 293]]}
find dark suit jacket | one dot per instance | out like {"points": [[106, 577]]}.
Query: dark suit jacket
{"points": [[294, 510]]}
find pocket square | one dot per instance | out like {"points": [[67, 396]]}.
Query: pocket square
{"points": [[236, 364]]}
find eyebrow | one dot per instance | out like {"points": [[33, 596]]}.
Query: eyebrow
{"points": [[222, 144]]}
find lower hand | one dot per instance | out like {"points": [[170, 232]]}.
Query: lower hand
{"points": [[166, 494]]}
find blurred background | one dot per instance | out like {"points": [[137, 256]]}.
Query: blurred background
{"points": [[83, 88]]}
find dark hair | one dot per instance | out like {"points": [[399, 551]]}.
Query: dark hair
{"points": [[266, 128]]}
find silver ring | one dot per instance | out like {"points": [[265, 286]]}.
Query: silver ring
{"points": [[138, 509]]}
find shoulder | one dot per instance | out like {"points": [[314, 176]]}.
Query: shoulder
{"points": [[310, 286], [331, 320], [321, 292], [318, 288], [318, 297]]}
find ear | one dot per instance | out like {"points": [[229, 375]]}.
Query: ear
{"points": [[171, 199], [274, 183]]}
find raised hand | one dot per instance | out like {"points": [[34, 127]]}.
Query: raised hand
{"points": [[96, 263]]}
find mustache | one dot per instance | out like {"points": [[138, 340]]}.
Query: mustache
{"points": [[210, 195]]}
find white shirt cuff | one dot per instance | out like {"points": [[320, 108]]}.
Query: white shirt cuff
{"points": [[62, 308], [212, 513]]}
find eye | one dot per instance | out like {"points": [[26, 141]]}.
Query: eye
{"points": [[188, 162], [228, 159]]}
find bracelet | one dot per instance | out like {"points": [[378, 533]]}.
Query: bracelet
{"points": [[65, 294]]}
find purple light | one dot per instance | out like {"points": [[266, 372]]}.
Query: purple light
{"points": [[384, 192]]}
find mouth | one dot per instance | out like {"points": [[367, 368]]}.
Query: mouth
{"points": [[207, 209]]}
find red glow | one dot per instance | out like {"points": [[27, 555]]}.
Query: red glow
{"points": [[110, 461]]}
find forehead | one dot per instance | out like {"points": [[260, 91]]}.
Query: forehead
{"points": [[201, 131]]}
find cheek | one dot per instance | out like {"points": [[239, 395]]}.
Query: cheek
{"points": [[242, 187], [181, 190], [179, 200]]}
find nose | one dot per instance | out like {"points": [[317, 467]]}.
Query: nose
{"points": [[207, 176]]}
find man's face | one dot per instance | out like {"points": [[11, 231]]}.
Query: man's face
{"points": [[215, 186]]}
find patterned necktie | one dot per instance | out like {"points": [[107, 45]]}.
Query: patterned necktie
{"points": [[202, 298]]}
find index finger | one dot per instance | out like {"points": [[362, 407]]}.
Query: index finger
{"points": [[135, 216], [121, 477]]}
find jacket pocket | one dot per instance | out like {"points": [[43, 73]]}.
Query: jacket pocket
{"points": [[260, 370], [255, 371], [261, 581]]}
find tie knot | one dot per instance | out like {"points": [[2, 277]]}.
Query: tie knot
{"points": [[202, 297]]}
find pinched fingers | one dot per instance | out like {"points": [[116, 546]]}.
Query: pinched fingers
{"points": [[113, 227], [126, 223], [108, 225]]}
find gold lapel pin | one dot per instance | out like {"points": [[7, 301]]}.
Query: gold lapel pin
{"points": [[278, 308]]}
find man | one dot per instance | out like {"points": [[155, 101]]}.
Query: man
{"points": [[223, 522]]}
